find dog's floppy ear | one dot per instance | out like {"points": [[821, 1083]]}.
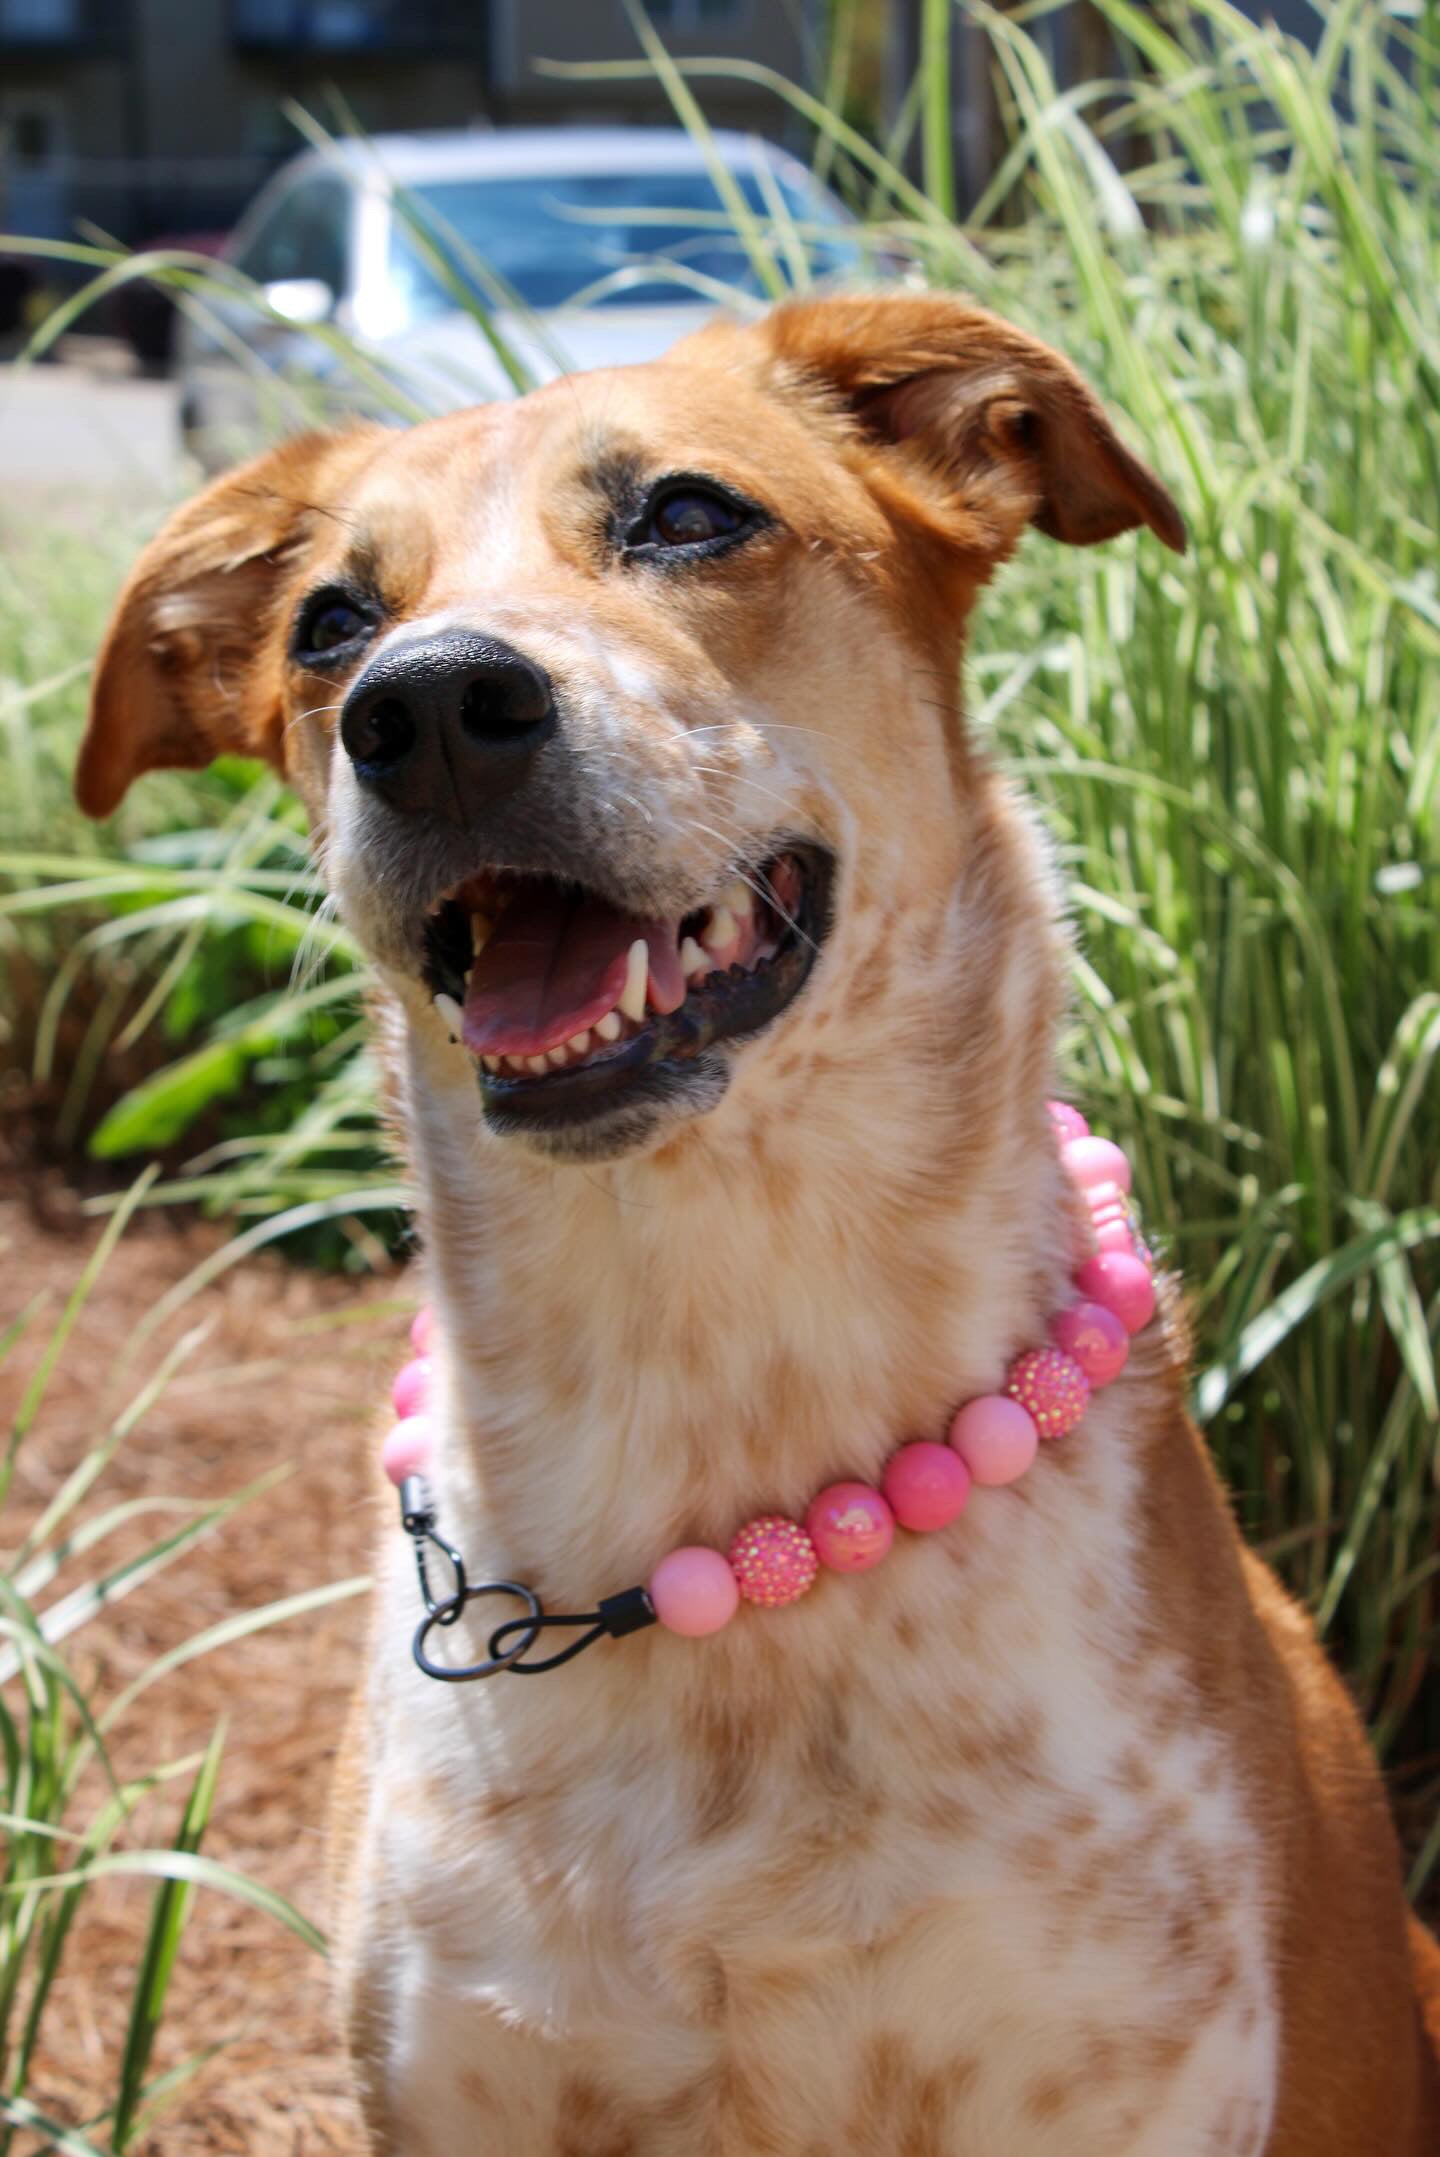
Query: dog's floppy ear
{"points": [[191, 666], [998, 411]]}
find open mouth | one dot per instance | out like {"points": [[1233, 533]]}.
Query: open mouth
{"points": [[567, 1002]]}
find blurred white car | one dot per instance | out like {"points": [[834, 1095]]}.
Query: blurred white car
{"points": [[592, 247]]}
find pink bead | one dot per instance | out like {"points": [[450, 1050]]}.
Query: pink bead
{"points": [[694, 1591], [410, 1392], [1096, 1339], [1052, 1386], [851, 1527], [1121, 1281], [407, 1448], [1067, 1122], [774, 1561], [1091, 1161], [996, 1438], [1115, 1235], [422, 1330], [926, 1485]]}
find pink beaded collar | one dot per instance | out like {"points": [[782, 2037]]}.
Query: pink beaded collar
{"points": [[850, 1526]]}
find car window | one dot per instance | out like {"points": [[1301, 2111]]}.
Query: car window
{"points": [[306, 234], [661, 234]]}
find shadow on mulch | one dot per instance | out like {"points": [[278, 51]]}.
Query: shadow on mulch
{"points": [[272, 1384]]}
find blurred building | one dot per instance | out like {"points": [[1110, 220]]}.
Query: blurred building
{"points": [[150, 117]]}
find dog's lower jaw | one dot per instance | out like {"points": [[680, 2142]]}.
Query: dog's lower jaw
{"points": [[637, 1121]]}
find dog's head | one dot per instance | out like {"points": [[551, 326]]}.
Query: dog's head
{"points": [[616, 707]]}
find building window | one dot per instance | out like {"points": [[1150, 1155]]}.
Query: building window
{"points": [[39, 18]]}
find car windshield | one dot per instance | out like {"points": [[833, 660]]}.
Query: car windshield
{"points": [[551, 237]]}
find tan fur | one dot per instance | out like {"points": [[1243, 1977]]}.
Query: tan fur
{"points": [[1053, 1837]]}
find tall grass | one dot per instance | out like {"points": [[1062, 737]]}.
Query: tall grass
{"points": [[68, 1818], [1239, 240]]}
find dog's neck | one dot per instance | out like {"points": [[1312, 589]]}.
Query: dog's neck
{"points": [[651, 1351]]}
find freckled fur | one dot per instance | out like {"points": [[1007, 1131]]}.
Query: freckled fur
{"points": [[1055, 1836]]}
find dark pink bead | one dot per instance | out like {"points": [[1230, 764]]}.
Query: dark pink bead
{"points": [[925, 1485], [1096, 1339], [1122, 1282], [851, 1527]]}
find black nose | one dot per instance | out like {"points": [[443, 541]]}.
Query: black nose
{"points": [[447, 724]]}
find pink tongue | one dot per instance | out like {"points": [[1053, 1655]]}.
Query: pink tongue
{"points": [[556, 964]]}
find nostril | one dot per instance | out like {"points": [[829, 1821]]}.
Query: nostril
{"points": [[382, 736], [495, 705]]}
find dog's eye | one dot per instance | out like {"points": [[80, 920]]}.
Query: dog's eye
{"points": [[328, 621], [690, 516]]}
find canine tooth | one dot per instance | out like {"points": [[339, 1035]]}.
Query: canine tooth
{"points": [[450, 1012], [632, 996], [739, 898], [537, 1064], [721, 930], [608, 1028], [492, 1063], [692, 959], [579, 1042]]}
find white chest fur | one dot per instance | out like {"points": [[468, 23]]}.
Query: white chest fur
{"points": [[941, 1860]]}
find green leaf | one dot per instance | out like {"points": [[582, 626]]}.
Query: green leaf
{"points": [[161, 1108]]}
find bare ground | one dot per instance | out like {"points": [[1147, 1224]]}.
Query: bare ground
{"points": [[273, 1383]]}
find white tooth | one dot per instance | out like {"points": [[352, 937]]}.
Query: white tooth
{"points": [[537, 1064], [739, 898], [492, 1063], [608, 1028], [722, 929], [516, 1063], [692, 959], [632, 997], [559, 1056], [482, 928], [450, 1012], [579, 1042]]}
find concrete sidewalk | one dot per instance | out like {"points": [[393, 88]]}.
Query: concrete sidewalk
{"points": [[76, 435]]}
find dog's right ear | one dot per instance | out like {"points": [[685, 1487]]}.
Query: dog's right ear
{"points": [[192, 664]]}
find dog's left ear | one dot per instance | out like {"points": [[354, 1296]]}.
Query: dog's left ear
{"points": [[191, 664], [1003, 415]]}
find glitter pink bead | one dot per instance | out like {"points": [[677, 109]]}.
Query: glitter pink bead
{"points": [[410, 1393], [1121, 1281], [1067, 1122], [422, 1330], [1051, 1387], [851, 1527], [996, 1438], [1090, 1161], [926, 1485], [1095, 1338], [694, 1591], [407, 1448], [774, 1561]]}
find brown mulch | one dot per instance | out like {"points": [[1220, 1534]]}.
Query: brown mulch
{"points": [[271, 1384]]}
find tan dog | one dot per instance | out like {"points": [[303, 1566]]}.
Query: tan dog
{"points": [[1052, 1837]]}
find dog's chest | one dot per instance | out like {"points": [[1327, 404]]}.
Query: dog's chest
{"points": [[957, 1871]]}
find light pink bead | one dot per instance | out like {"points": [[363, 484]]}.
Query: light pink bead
{"points": [[926, 1485], [1096, 1339], [410, 1392], [694, 1591], [407, 1448], [422, 1330], [1052, 1387], [1091, 1161], [851, 1527], [1115, 1234], [1067, 1122], [1122, 1282], [774, 1561], [996, 1438]]}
